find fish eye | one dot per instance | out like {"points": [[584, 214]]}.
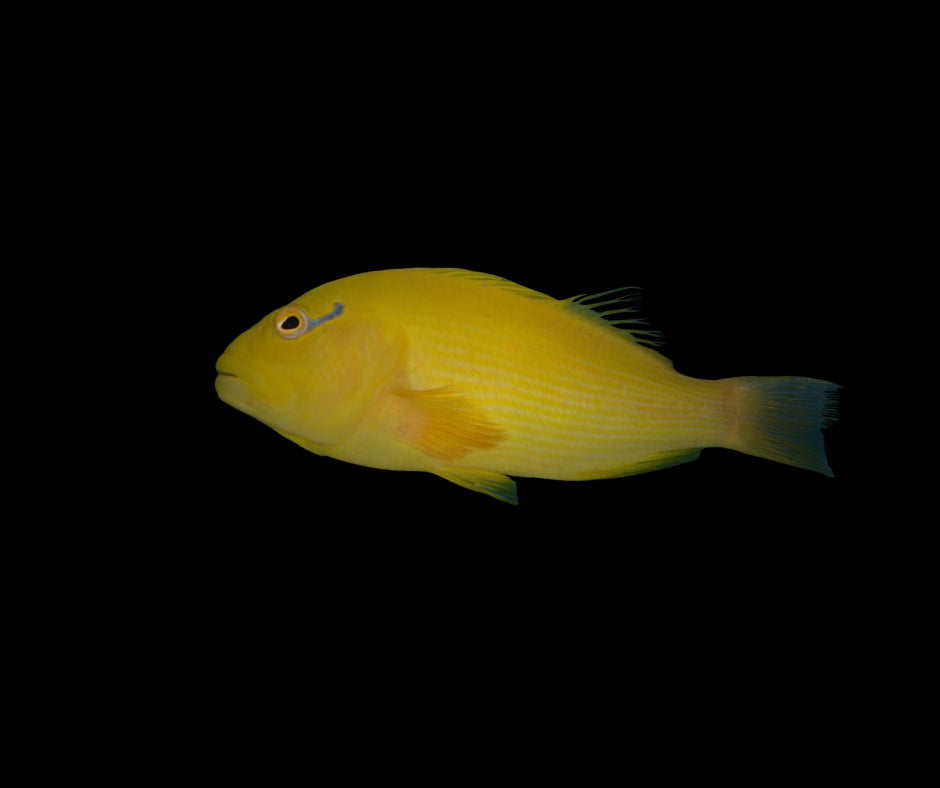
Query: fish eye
{"points": [[291, 323]]}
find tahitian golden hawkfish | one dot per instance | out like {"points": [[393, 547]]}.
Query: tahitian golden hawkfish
{"points": [[476, 379]]}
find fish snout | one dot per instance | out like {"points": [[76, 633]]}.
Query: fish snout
{"points": [[230, 381]]}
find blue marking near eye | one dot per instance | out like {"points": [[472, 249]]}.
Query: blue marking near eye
{"points": [[337, 311]]}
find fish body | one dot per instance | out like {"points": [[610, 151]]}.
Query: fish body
{"points": [[476, 379]]}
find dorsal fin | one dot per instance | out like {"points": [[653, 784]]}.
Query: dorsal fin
{"points": [[491, 280], [592, 306]]}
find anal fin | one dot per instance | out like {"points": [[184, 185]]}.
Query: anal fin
{"points": [[489, 483], [652, 462], [656, 462]]}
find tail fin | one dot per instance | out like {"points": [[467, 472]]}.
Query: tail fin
{"points": [[782, 419]]}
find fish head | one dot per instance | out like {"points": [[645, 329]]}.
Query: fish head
{"points": [[310, 369]]}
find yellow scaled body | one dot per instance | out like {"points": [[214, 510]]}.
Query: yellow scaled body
{"points": [[476, 379]]}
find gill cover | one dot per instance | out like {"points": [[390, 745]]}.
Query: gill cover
{"points": [[337, 361]]}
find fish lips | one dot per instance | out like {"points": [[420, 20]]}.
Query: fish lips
{"points": [[253, 390], [230, 388], [234, 386]]}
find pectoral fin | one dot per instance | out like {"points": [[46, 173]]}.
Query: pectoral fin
{"points": [[445, 424], [488, 482]]}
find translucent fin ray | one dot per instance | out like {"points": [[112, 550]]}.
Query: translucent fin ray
{"points": [[496, 485], [592, 306]]}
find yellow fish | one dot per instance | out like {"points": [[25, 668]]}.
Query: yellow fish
{"points": [[475, 379]]}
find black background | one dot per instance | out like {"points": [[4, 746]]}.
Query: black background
{"points": [[731, 208], [725, 184]]}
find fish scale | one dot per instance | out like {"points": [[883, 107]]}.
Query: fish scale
{"points": [[585, 403]]}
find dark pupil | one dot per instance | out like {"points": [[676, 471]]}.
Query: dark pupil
{"points": [[290, 323]]}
